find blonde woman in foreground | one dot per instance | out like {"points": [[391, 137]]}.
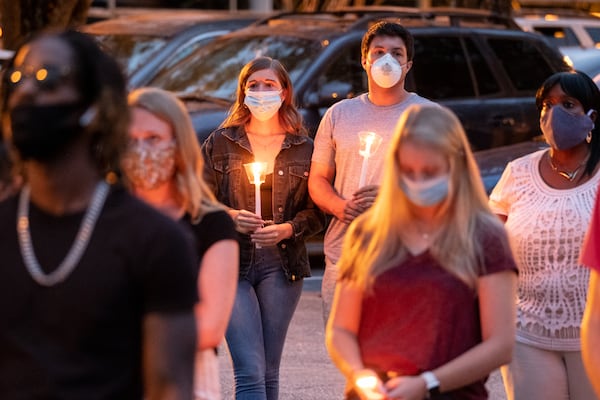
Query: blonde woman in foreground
{"points": [[425, 302]]}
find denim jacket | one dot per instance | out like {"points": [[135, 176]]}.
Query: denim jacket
{"points": [[225, 151]]}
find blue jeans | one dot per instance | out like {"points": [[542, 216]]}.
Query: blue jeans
{"points": [[265, 302]]}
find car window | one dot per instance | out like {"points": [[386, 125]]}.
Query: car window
{"points": [[594, 34], [186, 49], [213, 69], [343, 78], [131, 52], [485, 80], [525, 66], [559, 36], [440, 69]]}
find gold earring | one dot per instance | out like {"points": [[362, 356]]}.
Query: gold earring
{"points": [[588, 138]]}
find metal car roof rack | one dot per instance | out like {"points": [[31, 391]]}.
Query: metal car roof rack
{"points": [[362, 17]]}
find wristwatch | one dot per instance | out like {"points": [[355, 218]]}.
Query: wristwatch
{"points": [[432, 383]]}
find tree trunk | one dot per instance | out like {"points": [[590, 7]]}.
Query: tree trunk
{"points": [[20, 18]]}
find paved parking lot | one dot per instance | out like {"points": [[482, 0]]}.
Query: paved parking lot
{"points": [[306, 370]]}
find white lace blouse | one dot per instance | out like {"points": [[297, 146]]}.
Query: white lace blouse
{"points": [[546, 228]]}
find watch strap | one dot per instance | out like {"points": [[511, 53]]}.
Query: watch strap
{"points": [[431, 383]]}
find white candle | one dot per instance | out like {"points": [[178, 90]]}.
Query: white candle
{"points": [[257, 196], [369, 142], [256, 172], [365, 163]]}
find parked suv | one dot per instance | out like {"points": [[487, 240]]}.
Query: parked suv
{"points": [[564, 28]]}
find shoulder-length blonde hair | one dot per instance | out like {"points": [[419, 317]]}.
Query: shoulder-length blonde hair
{"points": [[194, 195], [289, 117], [374, 242]]}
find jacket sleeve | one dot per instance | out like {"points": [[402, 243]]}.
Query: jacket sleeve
{"points": [[209, 173], [308, 222]]}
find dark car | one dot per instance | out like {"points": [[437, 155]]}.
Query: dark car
{"points": [[481, 66], [146, 41]]}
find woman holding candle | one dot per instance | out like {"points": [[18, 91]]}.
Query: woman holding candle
{"points": [[264, 126], [424, 306]]}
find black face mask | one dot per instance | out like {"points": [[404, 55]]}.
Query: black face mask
{"points": [[42, 132]]}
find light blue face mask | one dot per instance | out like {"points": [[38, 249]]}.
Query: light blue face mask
{"points": [[428, 192], [263, 104]]}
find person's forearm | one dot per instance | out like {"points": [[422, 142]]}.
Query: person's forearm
{"points": [[474, 364], [169, 344], [590, 333], [217, 283], [344, 351], [324, 196]]}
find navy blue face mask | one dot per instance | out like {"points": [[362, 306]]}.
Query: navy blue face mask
{"points": [[564, 130]]}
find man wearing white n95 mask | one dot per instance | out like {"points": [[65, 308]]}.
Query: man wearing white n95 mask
{"points": [[387, 56]]}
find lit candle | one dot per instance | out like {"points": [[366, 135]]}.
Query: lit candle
{"points": [[369, 386], [256, 172], [369, 142]]}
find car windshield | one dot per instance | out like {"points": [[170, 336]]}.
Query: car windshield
{"points": [[131, 51], [212, 70]]}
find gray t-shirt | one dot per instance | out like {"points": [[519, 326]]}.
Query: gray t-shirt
{"points": [[337, 145]]}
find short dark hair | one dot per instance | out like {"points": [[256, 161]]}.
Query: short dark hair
{"points": [[388, 28], [580, 86], [100, 81]]}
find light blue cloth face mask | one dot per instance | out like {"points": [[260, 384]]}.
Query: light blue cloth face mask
{"points": [[428, 192]]}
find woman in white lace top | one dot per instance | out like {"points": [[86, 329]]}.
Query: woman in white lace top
{"points": [[546, 199]]}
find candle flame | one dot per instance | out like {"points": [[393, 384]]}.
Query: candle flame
{"points": [[366, 382], [369, 143], [256, 172]]}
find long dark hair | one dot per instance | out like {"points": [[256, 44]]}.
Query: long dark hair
{"points": [[580, 86], [289, 116]]}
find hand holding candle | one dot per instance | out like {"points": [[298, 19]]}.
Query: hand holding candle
{"points": [[369, 143], [369, 385]]}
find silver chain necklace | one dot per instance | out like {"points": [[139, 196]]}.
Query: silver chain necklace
{"points": [[75, 252]]}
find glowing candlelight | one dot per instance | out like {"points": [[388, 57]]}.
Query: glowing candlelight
{"points": [[256, 172], [369, 143], [369, 386]]}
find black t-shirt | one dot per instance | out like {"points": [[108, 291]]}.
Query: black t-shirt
{"points": [[213, 227], [266, 197], [81, 339]]}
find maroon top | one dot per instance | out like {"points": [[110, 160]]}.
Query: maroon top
{"points": [[419, 317]]}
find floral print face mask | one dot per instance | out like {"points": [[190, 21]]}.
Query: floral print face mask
{"points": [[147, 166]]}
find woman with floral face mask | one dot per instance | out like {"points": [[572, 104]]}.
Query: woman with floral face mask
{"points": [[264, 126], [163, 166], [424, 304], [546, 200]]}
